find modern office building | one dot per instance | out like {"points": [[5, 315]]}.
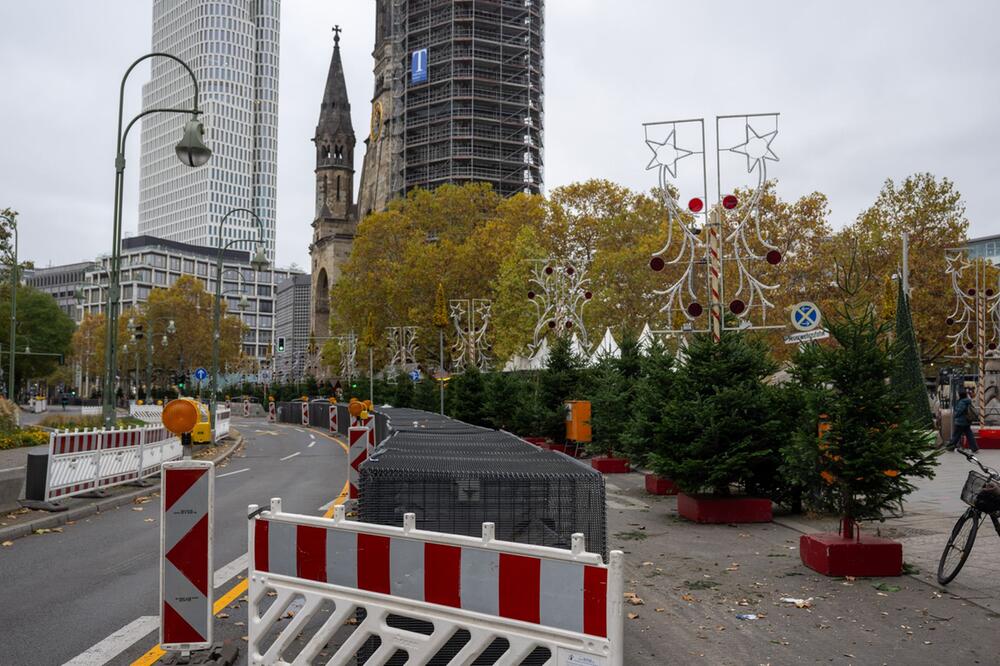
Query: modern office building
{"points": [[292, 321], [149, 263], [65, 284], [458, 97], [986, 246], [232, 47]]}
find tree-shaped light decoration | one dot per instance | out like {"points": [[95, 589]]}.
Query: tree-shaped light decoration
{"points": [[559, 292], [471, 319], [348, 346], [976, 319], [733, 227], [402, 349]]}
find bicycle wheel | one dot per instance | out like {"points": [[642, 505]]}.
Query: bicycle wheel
{"points": [[956, 552]]}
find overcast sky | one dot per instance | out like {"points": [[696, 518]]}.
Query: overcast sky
{"points": [[866, 90]]}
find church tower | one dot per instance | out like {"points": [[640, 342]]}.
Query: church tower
{"points": [[335, 221]]}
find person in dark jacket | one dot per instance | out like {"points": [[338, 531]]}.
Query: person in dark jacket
{"points": [[961, 426]]}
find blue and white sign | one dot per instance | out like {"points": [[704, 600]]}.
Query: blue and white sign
{"points": [[418, 67], [805, 316], [415, 375], [201, 374]]}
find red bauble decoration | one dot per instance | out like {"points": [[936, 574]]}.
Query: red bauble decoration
{"points": [[695, 205], [969, 345], [552, 324], [989, 292], [992, 346], [548, 270], [972, 292], [531, 295], [657, 263], [588, 295], [569, 270], [949, 321], [695, 309], [729, 201], [737, 307], [773, 257], [569, 324]]}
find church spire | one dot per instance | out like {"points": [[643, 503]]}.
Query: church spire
{"points": [[335, 111]]}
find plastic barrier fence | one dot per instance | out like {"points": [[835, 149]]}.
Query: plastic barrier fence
{"points": [[87, 460], [222, 415], [91, 410], [427, 595], [148, 413]]}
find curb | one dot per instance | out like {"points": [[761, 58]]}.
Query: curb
{"points": [[100, 506]]}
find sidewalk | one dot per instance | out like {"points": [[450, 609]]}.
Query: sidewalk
{"points": [[695, 579]]}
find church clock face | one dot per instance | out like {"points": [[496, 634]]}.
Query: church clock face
{"points": [[376, 129]]}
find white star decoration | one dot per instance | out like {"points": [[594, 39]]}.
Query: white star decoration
{"points": [[666, 154], [952, 260], [757, 148]]}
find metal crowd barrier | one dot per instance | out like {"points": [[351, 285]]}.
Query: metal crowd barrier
{"points": [[424, 597]]}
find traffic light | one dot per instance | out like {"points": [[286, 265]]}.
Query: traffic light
{"points": [[281, 345], [181, 381]]}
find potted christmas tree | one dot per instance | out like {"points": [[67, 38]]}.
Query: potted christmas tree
{"points": [[868, 441], [652, 391], [718, 437]]}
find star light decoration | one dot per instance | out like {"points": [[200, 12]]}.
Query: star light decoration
{"points": [[402, 349], [471, 319], [559, 293], [742, 245]]}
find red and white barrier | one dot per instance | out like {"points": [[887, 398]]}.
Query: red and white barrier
{"points": [[186, 527], [333, 417], [246, 408], [272, 415], [83, 461], [357, 453], [567, 602], [305, 413]]}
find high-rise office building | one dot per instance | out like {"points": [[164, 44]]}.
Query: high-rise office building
{"points": [[232, 47], [458, 97]]}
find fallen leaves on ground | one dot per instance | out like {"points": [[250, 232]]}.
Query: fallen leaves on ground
{"points": [[223, 615], [137, 508], [687, 597], [799, 603], [149, 520], [632, 616], [7, 544]]}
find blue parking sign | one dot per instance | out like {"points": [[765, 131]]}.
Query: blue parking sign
{"points": [[418, 67], [805, 316]]}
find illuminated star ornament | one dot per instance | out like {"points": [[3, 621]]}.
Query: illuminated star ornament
{"points": [[757, 148], [956, 263], [666, 154]]}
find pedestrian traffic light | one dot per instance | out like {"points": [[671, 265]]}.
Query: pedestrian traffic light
{"points": [[281, 344]]}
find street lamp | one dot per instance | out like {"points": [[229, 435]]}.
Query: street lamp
{"points": [[13, 309], [258, 263], [192, 152], [169, 330]]}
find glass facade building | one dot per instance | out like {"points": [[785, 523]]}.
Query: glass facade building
{"points": [[233, 47]]}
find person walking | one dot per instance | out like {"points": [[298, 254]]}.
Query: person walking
{"points": [[961, 423]]}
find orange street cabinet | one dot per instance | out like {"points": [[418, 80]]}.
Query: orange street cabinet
{"points": [[578, 420]]}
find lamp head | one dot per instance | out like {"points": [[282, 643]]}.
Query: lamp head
{"points": [[244, 302], [170, 327], [191, 150], [259, 261], [164, 341]]}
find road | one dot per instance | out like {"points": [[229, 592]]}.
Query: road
{"points": [[89, 595]]}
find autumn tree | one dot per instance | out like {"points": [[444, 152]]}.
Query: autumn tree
{"points": [[932, 212]]}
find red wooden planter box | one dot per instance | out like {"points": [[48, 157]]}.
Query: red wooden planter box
{"points": [[988, 438], [657, 485], [833, 555], [714, 509], [607, 465], [537, 441]]}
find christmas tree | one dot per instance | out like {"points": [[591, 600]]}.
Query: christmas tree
{"points": [[558, 382], [908, 377], [652, 392]]}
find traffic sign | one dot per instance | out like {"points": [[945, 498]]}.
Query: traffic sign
{"points": [[805, 316], [806, 336], [415, 375], [201, 374]]}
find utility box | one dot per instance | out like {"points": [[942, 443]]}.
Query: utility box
{"points": [[578, 420]]}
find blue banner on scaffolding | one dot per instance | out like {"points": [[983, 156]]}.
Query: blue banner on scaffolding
{"points": [[418, 68]]}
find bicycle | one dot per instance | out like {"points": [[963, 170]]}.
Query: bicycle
{"points": [[982, 493]]}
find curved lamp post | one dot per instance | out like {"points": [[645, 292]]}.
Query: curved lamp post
{"points": [[13, 309], [258, 263], [192, 152]]}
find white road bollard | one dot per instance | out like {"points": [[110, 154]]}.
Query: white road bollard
{"points": [[564, 605], [186, 566], [305, 413], [357, 453]]}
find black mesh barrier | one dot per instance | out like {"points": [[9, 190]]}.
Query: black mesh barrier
{"points": [[319, 414], [455, 477]]}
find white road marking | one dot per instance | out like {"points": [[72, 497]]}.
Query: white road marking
{"points": [[312, 436], [230, 570], [11, 469], [297, 453], [311, 444], [239, 471], [109, 648], [300, 430]]}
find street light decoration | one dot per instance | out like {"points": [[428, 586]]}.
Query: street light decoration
{"points": [[739, 242], [471, 319], [348, 346], [402, 349], [559, 292]]}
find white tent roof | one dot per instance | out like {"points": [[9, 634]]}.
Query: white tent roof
{"points": [[576, 347], [645, 339], [607, 347]]}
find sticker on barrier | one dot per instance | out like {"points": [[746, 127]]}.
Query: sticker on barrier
{"points": [[357, 439], [453, 597], [186, 524], [305, 413]]}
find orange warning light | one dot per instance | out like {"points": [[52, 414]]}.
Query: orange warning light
{"points": [[180, 416]]}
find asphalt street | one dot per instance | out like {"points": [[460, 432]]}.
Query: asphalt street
{"points": [[89, 595]]}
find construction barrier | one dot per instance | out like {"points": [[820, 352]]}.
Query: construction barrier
{"points": [[186, 528], [91, 410], [147, 413], [222, 419], [246, 408], [83, 461], [333, 417], [272, 416], [357, 453], [305, 413], [438, 598]]}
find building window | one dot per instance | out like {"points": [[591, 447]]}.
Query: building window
{"points": [[189, 266], [266, 306]]}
